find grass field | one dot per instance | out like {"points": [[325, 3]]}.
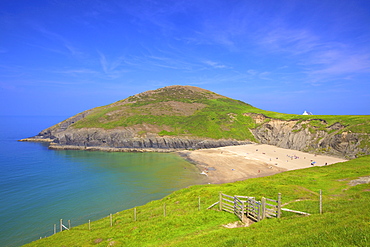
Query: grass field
{"points": [[345, 221]]}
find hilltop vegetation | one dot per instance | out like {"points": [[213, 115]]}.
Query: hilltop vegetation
{"points": [[176, 111], [343, 223]]}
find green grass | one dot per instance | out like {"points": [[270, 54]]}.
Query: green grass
{"points": [[345, 221], [221, 118]]}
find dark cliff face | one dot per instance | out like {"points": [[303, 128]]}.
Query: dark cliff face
{"points": [[127, 138]]}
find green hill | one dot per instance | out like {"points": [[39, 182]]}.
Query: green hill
{"points": [[176, 111]]}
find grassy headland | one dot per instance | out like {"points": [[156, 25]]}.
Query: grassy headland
{"points": [[176, 111], [192, 113], [186, 111], [345, 221]]}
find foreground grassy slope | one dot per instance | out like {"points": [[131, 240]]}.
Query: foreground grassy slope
{"points": [[345, 221]]}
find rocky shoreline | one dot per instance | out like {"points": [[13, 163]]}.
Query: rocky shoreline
{"points": [[33, 139], [167, 145], [110, 149]]}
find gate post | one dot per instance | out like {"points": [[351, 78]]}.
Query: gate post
{"points": [[279, 206], [263, 209], [220, 201], [243, 213], [234, 204], [248, 208]]}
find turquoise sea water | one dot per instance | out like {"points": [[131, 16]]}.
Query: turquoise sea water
{"points": [[38, 186]]}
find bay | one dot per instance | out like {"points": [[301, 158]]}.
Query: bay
{"points": [[38, 186]]}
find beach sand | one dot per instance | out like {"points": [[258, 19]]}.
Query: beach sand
{"points": [[235, 163]]}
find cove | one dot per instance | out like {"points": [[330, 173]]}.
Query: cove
{"points": [[41, 186]]}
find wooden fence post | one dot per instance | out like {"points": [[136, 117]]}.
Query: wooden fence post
{"points": [[263, 209], [61, 225], [220, 203], [234, 204], [69, 224], [199, 203], [279, 206], [320, 201], [259, 210], [89, 225], [243, 212], [134, 214], [247, 207], [111, 220], [55, 228]]}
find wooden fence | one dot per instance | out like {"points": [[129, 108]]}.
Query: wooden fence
{"points": [[248, 207]]}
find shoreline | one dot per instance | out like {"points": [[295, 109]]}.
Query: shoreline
{"points": [[226, 164], [236, 163], [55, 146]]}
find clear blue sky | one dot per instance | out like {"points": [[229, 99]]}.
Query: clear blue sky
{"points": [[61, 57]]}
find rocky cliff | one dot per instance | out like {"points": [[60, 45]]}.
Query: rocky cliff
{"points": [[128, 139], [313, 135]]}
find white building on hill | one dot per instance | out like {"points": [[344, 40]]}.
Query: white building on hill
{"points": [[307, 113]]}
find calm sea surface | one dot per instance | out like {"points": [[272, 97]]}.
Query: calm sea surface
{"points": [[38, 186]]}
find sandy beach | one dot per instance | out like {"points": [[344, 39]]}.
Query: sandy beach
{"points": [[235, 163]]}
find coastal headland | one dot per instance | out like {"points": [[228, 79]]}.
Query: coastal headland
{"points": [[191, 118]]}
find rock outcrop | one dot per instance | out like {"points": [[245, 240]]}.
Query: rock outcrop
{"points": [[304, 136], [127, 138], [62, 136]]}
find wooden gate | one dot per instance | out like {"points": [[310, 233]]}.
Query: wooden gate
{"points": [[239, 209], [272, 207], [248, 207], [254, 209]]}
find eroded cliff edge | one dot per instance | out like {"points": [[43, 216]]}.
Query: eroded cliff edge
{"points": [[313, 135]]}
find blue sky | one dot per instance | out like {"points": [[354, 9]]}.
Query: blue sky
{"points": [[64, 57]]}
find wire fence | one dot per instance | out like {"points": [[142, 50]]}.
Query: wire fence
{"points": [[101, 219], [94, 221]]}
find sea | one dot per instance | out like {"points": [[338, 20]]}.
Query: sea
{"points": [[39, 186]]}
